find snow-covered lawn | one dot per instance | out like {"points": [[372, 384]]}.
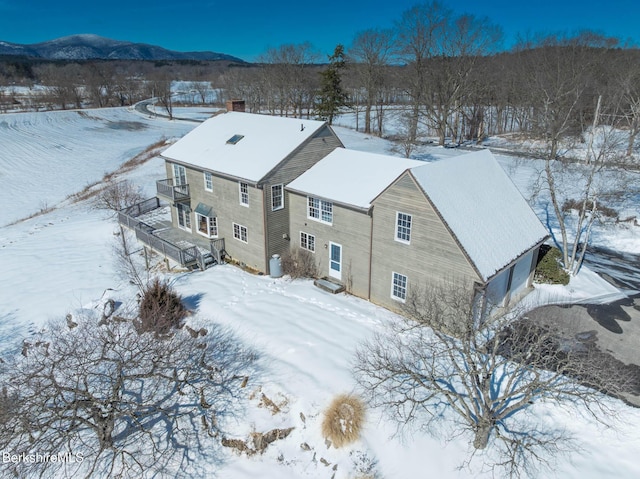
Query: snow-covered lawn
{"points": [[62, 261]]}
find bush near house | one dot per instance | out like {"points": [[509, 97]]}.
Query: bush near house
{"points": [[299, 263], [549, 269]]}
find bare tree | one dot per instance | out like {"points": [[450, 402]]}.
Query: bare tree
{"points": [[628, 85], [118, 196], [124, 250], [370, 53], [116, 403], [161, 89], [484, 382], [567, 102], [418, 34], [287, 74]]}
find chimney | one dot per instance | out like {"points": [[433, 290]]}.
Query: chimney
{"points": [[235, 105]]}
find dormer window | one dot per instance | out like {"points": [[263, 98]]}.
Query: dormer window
{"points": [[234, 139]]}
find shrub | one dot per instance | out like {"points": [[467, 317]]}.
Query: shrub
{"points": [[549, 269], [343, 420], [161, 309], [299, 263]]}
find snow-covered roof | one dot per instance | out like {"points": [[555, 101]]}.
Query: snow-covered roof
{"points": [[264, 141], [351, 177], [482, 207]]}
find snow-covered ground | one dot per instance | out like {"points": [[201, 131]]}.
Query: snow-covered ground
{"points": [[62, 261]]}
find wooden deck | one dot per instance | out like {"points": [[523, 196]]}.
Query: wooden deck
{"points": [[151, 222]]}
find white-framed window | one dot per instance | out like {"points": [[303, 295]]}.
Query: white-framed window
{"points": [[208, 181], [403, 227], [399, 287], [307, 241], [244, 193], [240, 233], [179, 175], [319, 210], [184, 216], [277, 197], [207, 226]]}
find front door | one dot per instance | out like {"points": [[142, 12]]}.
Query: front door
{"points": [[335, 260]]}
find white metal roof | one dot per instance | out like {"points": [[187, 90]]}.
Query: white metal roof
{"points": [[266, 140], [484, 209]]}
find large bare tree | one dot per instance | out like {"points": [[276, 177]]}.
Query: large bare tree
{"points": [[484, 380], [566, 95], [440, 49], [115, 401], [370, 55]]}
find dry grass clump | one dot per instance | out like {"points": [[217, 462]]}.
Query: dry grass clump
{"points": [[343, 420]]}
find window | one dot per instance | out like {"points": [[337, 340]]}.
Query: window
{"points": [[240, 232], [277, 197], [234, 139], [320, 210], [308, 242], [184, 216], [244, 194], [399, 287], [179, 175], [208, 181], [403, 227], [207, 226]]}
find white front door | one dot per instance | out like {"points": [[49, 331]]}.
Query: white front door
{"points": [[335, 260]]}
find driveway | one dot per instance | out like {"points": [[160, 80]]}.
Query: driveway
{"points": [[614, 327]]}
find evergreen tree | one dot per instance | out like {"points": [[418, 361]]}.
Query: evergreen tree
{"points": [[331, 97]]}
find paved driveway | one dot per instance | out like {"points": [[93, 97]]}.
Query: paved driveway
{"points": [[615, 328]]}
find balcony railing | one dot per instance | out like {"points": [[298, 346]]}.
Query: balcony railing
{"points": [[173, 192], [187, 256]]}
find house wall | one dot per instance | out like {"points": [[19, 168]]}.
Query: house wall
{"points": [[225, 200], [279, 237], [513, 280], [433, 256], [350, 228]]}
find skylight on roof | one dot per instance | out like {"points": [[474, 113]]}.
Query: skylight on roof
{"points": [[234, 139]]}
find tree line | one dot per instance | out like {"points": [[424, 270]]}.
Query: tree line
{"points": [[443, 69]]}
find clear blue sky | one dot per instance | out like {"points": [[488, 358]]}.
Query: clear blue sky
{"points": [[247, 28]]}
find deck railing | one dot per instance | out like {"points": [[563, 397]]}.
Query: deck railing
{"points": [[217, 249], [145, 233], [167, 189]]}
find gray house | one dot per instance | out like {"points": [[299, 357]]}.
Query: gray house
{"points": [[331, 214], [227, 177], [388, 223]]}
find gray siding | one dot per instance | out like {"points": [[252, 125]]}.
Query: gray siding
{"points": [[225, 201], [320, 145], [350, 228], [433, 255], [264, 239]]}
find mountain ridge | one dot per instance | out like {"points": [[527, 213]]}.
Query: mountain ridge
{"points": [[94, 47]]}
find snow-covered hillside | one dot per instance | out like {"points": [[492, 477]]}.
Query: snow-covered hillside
{"points": [[62, 261]]}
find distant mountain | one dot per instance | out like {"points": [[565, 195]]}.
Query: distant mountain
{"points": [[89, 47]]}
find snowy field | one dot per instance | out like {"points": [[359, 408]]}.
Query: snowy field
{"points": [[62, 261]]}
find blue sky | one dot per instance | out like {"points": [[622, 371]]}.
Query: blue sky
{"points": [[247, 28]]}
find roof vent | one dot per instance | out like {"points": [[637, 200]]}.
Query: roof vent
{"points": [[234, 139]]}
